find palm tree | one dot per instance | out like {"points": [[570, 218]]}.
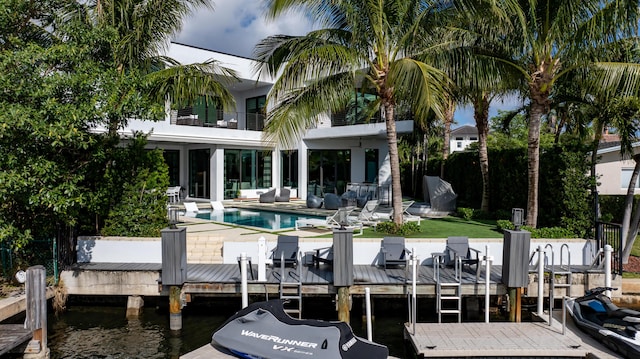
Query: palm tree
{"points": [[142, 30], [552, 39], [372, 45]]}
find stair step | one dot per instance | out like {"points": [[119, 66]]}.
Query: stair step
{"points": [[449, 311], [297, 297], [449, 298], [450, 284], [562, 285]]}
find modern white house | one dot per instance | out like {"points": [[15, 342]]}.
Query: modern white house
{"points": [[218, 155], [462, 137], [613, 171]]}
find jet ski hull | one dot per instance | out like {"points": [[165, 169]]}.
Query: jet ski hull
{"points": [[617, 328], [264, 331]]}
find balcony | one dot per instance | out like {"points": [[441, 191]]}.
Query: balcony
{"points": [[219, 119]]}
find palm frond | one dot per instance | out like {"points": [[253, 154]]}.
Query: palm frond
{"points": [[183, 85]]}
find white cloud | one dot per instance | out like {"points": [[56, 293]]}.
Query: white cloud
{"points": [[236, 26]]}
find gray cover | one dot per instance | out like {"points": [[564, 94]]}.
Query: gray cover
{"points": [[264, 330], [441, 195]]}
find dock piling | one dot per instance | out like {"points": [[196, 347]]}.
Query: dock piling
{"points": [[36, 321]]}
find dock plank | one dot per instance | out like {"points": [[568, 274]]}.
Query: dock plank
{"points": [[12, 336], [531, 339]]}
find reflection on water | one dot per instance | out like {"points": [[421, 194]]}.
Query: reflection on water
{"points": [[102, 331]]}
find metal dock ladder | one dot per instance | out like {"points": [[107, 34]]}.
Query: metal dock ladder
{"points": [[564, 270], [291, 289], [557, 273], [448, 292]]}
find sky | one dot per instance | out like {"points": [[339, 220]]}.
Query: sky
{"points": [[236, 26]]}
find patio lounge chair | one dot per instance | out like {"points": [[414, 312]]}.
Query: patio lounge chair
{"points": [[192, 208], [332, 221], [458, 247], [284, 196], [406, 216], [369, 216], [286, 249], [394, 253], [217, 206], [268, 197]]}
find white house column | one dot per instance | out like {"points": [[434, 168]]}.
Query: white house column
{"points": [[217, 173], [276, 165], [358, 164], [303, 173]]}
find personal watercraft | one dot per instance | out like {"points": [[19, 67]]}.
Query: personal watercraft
{"points": [[618, 328], [263, 330]]}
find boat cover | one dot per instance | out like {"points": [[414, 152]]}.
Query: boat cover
{"points": [[264, 331]]}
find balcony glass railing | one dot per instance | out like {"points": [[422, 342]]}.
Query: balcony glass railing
{"points": [[220, 119]]}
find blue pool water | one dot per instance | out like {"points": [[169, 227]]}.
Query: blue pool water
{"points": [[255, 218]]}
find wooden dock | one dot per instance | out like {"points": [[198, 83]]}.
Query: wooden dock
{"points": [[482, 340], [224, 280], [12, 336]]}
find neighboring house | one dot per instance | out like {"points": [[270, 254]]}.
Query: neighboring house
{"points": [[219, 155], [462, 137], [614, 172]]}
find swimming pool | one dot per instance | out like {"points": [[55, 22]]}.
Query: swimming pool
{"points": [[255, 218]]}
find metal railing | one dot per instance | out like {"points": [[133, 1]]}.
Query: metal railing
{"points": [[611, 234], [219, 119]]}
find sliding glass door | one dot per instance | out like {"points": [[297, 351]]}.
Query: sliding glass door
{"points": [[199, 173]]}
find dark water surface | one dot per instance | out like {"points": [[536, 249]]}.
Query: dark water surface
{"points": [[100, 330]]}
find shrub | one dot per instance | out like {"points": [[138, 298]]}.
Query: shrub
{"points": [[503, 224], [394, 229], [465, 213]]}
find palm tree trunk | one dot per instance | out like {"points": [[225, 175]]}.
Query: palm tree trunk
{"points": [[394, 161], [533, 153], [450, 109], [481, 115], [629, 234]]}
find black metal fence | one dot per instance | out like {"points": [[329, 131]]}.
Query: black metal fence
{"points": [[42, 252], [611, 234]]}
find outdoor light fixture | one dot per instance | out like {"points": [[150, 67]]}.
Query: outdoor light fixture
{"points": [[343, 217], [172, 215], [517, 218], [21, 276]]}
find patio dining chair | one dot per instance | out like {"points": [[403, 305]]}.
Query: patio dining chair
{"points": [[286, 250], [394, 252]]}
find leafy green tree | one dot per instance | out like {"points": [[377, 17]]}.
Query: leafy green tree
{"points": [[362, 44], [51, 100]]}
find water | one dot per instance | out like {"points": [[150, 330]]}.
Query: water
{"points": [[102, 331], [256, 218]]}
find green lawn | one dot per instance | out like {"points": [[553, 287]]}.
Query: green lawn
{"points": [[445, 227]]}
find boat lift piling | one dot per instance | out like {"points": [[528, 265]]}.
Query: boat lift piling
{"points": [[243, 280], [174, 271], [607, 269]]}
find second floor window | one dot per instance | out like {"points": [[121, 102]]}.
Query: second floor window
{"points": [[256, 112]]}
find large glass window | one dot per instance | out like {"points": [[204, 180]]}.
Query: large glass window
{"points": [[625, 178], [256, 112], [172, 159], [201, 113], [199, 173], [329, 171], [246, 169], [289, 168], [371, 165], [359, 110]]}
